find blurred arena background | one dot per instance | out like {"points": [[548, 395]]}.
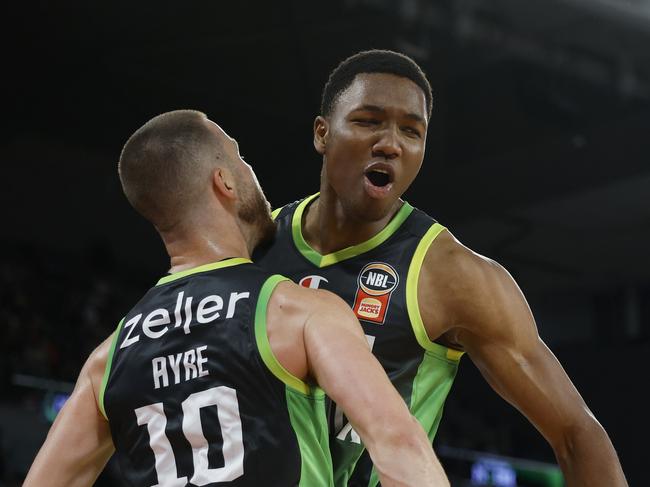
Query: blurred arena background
{"points": [[538, 156]]}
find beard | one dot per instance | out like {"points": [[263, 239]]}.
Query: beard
{"points": [[255, 212]]}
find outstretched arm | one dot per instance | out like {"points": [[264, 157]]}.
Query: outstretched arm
{"points": [[335, 354], [79, 442], [493, 323]]}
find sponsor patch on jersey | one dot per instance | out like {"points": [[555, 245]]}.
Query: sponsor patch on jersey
{"points": [[312, 282], [375, 285]]}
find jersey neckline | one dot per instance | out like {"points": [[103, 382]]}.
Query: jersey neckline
{"points": [[320, 260], [203, 268]]}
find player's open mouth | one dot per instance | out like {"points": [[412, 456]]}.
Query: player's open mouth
{"points": [[378, 179]]}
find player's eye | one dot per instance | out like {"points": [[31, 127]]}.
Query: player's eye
{"points": [[412, 131], [366, 122]]}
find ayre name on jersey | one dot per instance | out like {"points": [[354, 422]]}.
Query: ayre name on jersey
{"points": [[155, 324]]}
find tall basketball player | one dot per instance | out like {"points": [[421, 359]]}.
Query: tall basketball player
{"points": [[422, 297]]}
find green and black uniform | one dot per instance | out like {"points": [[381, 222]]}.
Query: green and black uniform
{"points": [[378, 279], [195, 397]]}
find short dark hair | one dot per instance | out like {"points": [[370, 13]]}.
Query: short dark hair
{"points": [[372, 61], [165, 162]]}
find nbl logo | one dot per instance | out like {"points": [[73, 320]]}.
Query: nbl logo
{"points": [[376, 283], [377, 279]]}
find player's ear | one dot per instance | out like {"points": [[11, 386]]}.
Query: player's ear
{"points": [[321, 130], [223, 182]]}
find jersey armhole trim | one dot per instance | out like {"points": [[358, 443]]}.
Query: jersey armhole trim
{"points": [[276, 212], [264, 346], [412, 304], [107, 369]]}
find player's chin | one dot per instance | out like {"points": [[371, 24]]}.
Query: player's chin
{"points": [[373, 208]]}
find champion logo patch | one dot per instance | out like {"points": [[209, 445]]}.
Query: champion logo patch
{"points": [[375, 285], [312, 282]]}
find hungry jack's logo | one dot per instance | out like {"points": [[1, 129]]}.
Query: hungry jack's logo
{"points": [[375, 285]]}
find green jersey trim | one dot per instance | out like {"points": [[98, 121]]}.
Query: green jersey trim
{"points": [[276, 212], [308, 420], [107, 369], [264, 346], [326, 260], [204, 268], [431, 386], [412, 304]]}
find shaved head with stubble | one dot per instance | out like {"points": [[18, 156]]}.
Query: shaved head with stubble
{"points": [[171, 169]]}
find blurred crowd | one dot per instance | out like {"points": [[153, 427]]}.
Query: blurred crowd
{"points": [[55, 308]]}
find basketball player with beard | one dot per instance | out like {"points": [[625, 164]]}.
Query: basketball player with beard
{"points": [[216, 376], [423, 298]]}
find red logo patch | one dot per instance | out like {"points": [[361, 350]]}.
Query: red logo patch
{"points": [[376, 283], [312, 282]]}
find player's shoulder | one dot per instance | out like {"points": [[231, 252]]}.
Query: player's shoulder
{"points": [[95, 365], [454, 263]]}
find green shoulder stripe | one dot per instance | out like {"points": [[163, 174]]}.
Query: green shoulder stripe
{"points": [[264, 347], [412, 303], [276, 212], [107, 369]]}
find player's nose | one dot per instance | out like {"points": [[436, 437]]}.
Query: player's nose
{"points": [[387, 144]]}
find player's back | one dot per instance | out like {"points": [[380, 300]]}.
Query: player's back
{"points": [[194, 395]]}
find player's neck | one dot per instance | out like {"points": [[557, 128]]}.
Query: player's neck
{"points": [[328, 228], [194, 248]]}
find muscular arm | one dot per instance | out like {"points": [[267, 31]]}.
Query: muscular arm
{"points": [[336, 355], [491, 320], [79, 443]]}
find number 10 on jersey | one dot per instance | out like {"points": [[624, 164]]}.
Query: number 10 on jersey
{"points": [[154, 417]]}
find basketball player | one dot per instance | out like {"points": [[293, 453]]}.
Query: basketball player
{"points": [[423, 298], [215, 376]]}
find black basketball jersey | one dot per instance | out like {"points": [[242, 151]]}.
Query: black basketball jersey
{"points": [[195, 397], [378, 279]]}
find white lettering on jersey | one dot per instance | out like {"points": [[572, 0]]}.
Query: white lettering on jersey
{"points": [[175, 364], [200, 360], [130, 325], [203, 311], [157, 317], [177, 309], [354, 437], [193, 362], [189, 362], [234, 297], [155, 324], [188, 314], [159, 372]]}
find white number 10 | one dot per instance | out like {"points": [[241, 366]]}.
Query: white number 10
{"points": [[154, 417]]}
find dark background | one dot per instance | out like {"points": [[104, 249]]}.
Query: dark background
{"points": [[538, 156]]}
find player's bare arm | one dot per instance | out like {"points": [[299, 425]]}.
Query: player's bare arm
{"points": [[473, 303], [334, 347], [79, 442]]}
